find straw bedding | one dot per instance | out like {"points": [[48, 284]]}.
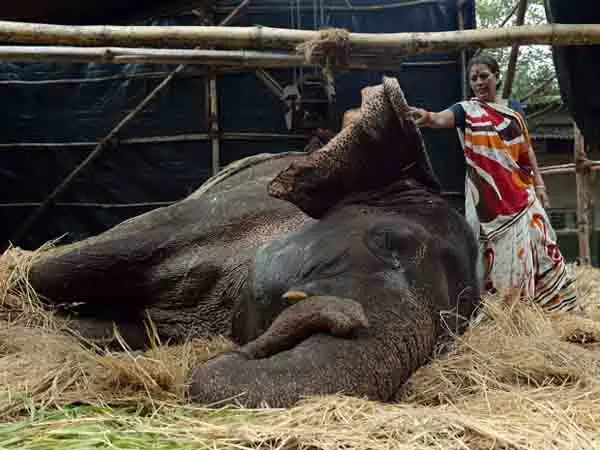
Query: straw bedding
{"points": [[518, 379]]}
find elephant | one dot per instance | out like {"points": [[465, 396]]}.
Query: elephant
{"points": [[336, 271]]}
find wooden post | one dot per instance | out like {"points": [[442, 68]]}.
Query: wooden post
{"points": [[514, 53], [213, 122], [464, 88], [213, 99], [582, 182]]}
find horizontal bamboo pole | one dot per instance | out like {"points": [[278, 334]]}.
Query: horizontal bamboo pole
{"points": [[188, 137], [212, 58], [122, 76], [88, 204], [121, 205], [561, 169], [119, 55], [282, 38]]}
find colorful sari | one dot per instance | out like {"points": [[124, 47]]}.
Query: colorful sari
{"points": [[518, 246]]}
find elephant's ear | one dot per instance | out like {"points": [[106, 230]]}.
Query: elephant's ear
{"points": [[375, 150], [422, 170]]}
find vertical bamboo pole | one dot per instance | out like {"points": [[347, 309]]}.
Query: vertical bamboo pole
{"points": [[463, 53], [582, 182], [212, 98], [213, 123], [514, 53]]}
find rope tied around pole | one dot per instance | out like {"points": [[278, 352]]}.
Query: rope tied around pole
{"points": [[330, 48]]}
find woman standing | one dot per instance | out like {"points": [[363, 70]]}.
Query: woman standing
{"points": [[504, 193]]}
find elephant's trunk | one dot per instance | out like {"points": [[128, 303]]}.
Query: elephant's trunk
{"points": [[374, 363], [322, 314]]}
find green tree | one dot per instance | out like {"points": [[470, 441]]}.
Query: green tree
{"points": [[534, 64]]}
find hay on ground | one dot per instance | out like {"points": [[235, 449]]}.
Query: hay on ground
{"points": [[517, 379]]}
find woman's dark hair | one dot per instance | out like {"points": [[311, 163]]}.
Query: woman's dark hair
{"points": [[489, 61]]}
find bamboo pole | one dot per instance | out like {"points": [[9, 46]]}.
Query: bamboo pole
{"points": [[581, 180], [266, 37], [187, 137], [233, 15], [562, 169], [116, 77], [89, 204], [214, 59], [125, 55], [213, 122], [464, 88], [270, 82], [511, 13], [568, 170], [514, 53], [212, 97]]}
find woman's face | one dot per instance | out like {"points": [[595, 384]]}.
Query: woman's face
{"points": [[483, 82]]}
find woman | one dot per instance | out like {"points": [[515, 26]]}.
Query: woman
{"points": [[504, 193]]}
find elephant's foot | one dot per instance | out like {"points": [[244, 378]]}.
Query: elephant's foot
{"points": [[338, 316]]}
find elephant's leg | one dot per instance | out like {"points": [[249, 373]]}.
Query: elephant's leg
{"points": [[374, 365], [338, 316]]}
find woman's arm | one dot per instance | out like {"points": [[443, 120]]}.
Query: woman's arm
{"points": [[538, 181], [442, 119], [540, 187]]}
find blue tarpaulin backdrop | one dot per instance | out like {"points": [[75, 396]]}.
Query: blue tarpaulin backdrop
{"points": [[46, 112]]}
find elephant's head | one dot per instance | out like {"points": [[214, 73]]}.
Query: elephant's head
{"points": [[411, 270], [362, 252]]}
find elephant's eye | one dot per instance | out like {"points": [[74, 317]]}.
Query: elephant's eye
{"points": [[327, 263], [388, 244]]}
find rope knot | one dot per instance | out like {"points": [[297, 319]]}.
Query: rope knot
{"points": [[331, 46]]}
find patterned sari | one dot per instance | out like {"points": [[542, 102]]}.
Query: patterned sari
{"points": [[517, 243]]}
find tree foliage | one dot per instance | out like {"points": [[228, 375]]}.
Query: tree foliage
{"points": [[534, 64]]}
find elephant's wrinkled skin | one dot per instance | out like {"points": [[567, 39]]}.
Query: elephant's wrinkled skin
{"points": [[224, 260], [183, 265], [410, 268]]}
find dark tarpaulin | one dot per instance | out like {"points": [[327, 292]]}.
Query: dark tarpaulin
{"points": [[165, 172], [578, 66], [91, 12]]}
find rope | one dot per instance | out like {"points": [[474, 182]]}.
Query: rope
{"points": [[331, 45]]}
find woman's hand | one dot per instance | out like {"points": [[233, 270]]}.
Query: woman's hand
{"points": [[542, 195], [421, 116], [424, 118], [350, 116]]}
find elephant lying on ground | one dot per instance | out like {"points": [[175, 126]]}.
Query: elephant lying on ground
{"points": [[337, 271]]}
